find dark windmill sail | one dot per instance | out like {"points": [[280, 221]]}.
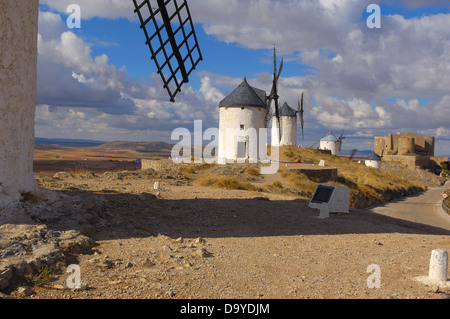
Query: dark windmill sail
{"points": [[170, 35], [274, 95], [301, 112]]}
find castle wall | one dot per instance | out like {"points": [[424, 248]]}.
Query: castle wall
{"points": [[18, 73], [380, 145], [404, 144], [415, 161]]}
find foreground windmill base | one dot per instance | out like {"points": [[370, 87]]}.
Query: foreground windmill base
{"points": [[18, 58]]}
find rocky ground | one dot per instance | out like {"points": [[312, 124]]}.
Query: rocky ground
{"points": [[131, 241]]}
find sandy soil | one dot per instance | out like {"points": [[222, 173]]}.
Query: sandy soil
{"points": [[204, 243]]}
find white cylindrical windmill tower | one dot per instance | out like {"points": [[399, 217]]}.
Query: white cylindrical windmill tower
{"points": [[242, 115], [288, 121], [331, 143]]}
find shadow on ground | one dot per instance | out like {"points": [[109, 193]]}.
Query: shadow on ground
{"points": [[120, 216]]}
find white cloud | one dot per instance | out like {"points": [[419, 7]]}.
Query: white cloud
{"points": [[99, 8], [356, 69]]}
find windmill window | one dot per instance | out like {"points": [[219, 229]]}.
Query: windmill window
{"points": [[242, 108], [242, 127]]}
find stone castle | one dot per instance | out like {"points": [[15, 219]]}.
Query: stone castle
{"points": [[409, 149], [405, 144]]}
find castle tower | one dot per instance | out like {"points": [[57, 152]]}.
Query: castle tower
{"points": [[331, 143], [18, 59], [406, 145], [288, 120], [242, 115]]}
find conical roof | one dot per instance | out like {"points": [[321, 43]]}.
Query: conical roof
{"points": [[244, 95], [287, 111], [330, 137], [374, 157]]}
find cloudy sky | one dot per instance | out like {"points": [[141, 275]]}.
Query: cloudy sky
{"points": [[98, 82]]}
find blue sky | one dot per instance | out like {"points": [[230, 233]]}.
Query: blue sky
{"points": [[98, 82]]}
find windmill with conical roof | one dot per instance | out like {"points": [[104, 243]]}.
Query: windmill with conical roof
{"points": [[241, 116]]}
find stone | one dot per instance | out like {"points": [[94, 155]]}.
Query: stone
{"points": [[25, 291], [202, 252], [147, 263], [7, 273], [438, 265], [200, 240], [62, 175], [89, 175], [4, 283], [129, 264]]}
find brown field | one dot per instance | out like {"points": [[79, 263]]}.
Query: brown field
{"points": [[96, 159]]}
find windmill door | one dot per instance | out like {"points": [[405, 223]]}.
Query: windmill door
{"points": [[242, 150]]}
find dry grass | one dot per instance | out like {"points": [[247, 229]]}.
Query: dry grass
{"points": [[365, 183], [226, 182], [299, 181], [194, 168], [43, 277], [187, 169], [252, 171]]}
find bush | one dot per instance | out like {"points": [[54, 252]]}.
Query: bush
{"points": [[252, 171], [187, 170], [227, 182]]}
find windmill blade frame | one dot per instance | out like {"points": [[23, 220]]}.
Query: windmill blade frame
{"points": [[273, 97], [172, 42], [301, 116]]}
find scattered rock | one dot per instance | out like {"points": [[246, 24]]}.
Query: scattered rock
{"points": [[434, 289], [106, 264], [202, 252], [62, 175], [200, 240], [4, 283], [148, 263], [25, 291], [129, 264]]}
